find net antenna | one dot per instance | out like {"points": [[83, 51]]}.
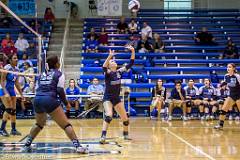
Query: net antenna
{"points": [[39, 36]]}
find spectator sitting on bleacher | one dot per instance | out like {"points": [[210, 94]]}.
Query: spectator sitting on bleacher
{"points": [[95, 101], [92, 45], [28, 102], [158, 44], [31, 51], [144, 45], [73, 101], [103, 37], [92, 33], [7, 40], [132, 27], [49, 16], [5, 21], [23, 60], [146, 30], [21, 44], [9, 49], [158, 98], [28, 69], [177, 99], [133, 41], [231, 51], [205, 38], [122, 26]]}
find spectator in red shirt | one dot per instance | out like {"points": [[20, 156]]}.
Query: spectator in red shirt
{"points": [[6, 40], [103, 38], [9, 49], [49, 16]]}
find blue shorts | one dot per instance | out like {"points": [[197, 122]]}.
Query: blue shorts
{"points": [[45, 104], [11, 91]]}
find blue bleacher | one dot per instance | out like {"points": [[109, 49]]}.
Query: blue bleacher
{"points": [[177, 29]]}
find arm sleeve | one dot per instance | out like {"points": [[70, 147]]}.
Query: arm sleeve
{"points": [[60, 89]]}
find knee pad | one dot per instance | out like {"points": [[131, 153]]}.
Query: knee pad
{"points": [[9, 110], [126, 123], [189, 103], [13, 112], [222, 112], [68, 125], [221, 102], [39, 126], [108, 119]]}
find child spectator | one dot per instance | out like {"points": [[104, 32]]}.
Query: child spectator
{"points": [[92, 45], [49, 16], [122, 26], [144, 45], [103, 37], [92, 33], [132, 27], [158, 44], [7, 40]]}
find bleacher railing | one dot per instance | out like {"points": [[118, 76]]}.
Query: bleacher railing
{"points": [[65, 39]]}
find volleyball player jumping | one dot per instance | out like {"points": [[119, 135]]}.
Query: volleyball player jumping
{"points": [[111, 99]]}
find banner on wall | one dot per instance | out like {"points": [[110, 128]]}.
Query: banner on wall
{"points": [[22, 7], [109, 7]]}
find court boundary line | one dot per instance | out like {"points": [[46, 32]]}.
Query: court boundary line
{"points": [[189, 144]]}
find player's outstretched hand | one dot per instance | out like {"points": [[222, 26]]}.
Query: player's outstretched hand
{"points": [[129, 47], [111, 53]]}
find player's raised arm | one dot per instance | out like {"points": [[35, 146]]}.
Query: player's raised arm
{"points": [[111, 54]]}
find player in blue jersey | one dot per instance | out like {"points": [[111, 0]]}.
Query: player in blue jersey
{"points": [[111, 99], [50, 86], [8, 82], [233, 82], [209, 105]]}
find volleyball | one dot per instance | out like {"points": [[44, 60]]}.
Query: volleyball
{"points": [[134, 5]]}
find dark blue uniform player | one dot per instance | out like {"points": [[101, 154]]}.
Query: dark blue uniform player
{"points": [[233, 82], [112, 91], [50, 86], [8, 81]]}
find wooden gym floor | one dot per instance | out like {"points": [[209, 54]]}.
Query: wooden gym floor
{"points": [[155, 140]]}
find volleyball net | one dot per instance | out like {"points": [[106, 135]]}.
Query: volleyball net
{"points": [[32, 29]]}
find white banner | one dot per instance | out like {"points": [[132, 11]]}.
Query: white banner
{"points": [[109, 7]]}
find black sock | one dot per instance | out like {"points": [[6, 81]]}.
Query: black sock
{"points": [[29, 141], [231, 113], [76, 143], [125, 133], [13, 124], [3, 126], [104, 133], [201, 114], [221, 123]]}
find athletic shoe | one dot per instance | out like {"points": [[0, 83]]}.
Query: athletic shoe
{"points": [[15, 133], [126, 137], [102, 140], [82, 150], [230, 118], [185, 118], [4, 133], [237, 118], [27, 148], [218, 127], [202, 118], [212, 117], [207, 117], [169, 118]]}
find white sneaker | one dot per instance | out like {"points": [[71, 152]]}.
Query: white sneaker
{"points": [[82, 150], [202, 118], [237, 118], [169, 118], [230, 118], [207, 117], [185, 118], [212, 117]]}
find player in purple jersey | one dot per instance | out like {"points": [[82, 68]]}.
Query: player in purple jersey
{"points": [[111, 99], [50, 86], [233, 82]]}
